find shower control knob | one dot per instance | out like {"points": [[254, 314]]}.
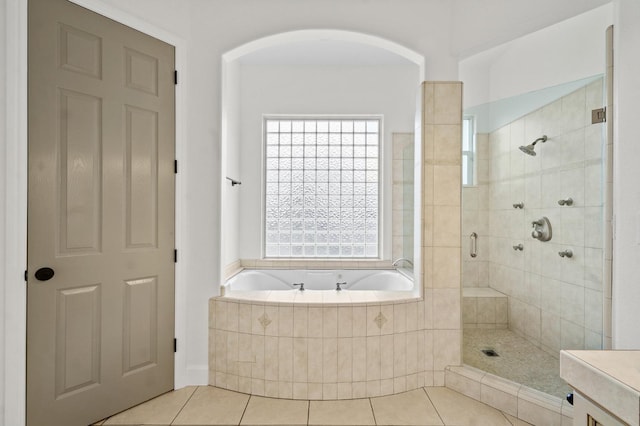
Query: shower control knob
{"points": [[565, 253], [566, 202]]}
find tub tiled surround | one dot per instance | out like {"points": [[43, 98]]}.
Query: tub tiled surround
{"points": [[326, 351], [554, 302], [305, 351], [232, 268], [293, 263]]}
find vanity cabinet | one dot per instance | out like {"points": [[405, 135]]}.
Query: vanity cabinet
{"points": [[588, 413], [606, 386]]}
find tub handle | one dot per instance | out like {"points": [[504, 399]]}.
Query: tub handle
{"points": [[299, 284], [338, 288], [474, 244]]}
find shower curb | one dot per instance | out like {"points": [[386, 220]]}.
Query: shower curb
{"points": [[522, 402]]}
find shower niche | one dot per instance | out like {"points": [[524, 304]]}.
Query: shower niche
{"points": [[540, 187]]}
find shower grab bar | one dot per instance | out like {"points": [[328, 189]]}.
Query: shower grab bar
{"points": [[474, 244]]}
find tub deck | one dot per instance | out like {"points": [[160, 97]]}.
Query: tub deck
{"points": [[320, 297]]}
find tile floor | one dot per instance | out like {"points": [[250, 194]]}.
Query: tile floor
{"points": [[206, 405]]}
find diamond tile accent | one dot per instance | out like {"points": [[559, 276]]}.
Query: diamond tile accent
{"points": [[264, 320], [380, 320]]}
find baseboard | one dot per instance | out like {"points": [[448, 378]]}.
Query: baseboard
{"points": [[195, 375]]}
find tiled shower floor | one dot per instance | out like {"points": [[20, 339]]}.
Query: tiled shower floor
{"points": [[518, 360]]}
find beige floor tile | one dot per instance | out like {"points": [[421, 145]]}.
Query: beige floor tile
{"points": [[515, 421], [345, 412], [270, 411], [160, 410], [409, 408], [457, 409], [213, 406]]}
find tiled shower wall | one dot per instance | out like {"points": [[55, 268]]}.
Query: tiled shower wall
{"points": [[475, 218], [554, 302], [326, 351]]}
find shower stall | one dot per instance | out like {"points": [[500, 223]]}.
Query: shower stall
{"points": [[533, 239]]}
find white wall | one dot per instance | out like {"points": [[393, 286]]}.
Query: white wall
{"points": [[481, 25], [13, 155], [564, 52], [230, 165], [387, 90], [626, 245], [422, 26], [3, 178]]}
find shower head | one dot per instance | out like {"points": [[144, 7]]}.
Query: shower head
{"points": [[529, 149]]}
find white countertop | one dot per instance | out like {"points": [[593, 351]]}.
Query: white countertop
{"points": [[609, 378]]}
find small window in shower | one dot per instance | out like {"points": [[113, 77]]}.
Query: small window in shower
{"points": [[468, 151], [322, 187]]}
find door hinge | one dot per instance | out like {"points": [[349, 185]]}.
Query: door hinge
{"points": [[175, 166], [26, 275], [599, 115], [175, 256], [175, 77], [175, 345]]}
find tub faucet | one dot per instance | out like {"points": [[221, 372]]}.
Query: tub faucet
{"points": [[339, 284], [401, 259], [299, 284]]}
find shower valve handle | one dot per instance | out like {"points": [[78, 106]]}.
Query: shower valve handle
{"points": [[541, 229]]}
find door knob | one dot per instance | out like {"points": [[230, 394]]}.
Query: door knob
{"points": [[44, 274]]}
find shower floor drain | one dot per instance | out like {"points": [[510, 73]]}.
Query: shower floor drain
{"points": [[490, 352]]}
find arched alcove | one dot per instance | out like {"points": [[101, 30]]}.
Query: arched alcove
{"points": [[307, 72], [303, 36]]}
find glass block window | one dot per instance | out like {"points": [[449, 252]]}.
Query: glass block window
{"points": [[468, 151], [322, 187]]}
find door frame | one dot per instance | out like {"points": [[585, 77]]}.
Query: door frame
{"points": [[13, 320]]}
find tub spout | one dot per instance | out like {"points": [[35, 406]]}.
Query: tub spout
{"points": [[402, 259]]}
